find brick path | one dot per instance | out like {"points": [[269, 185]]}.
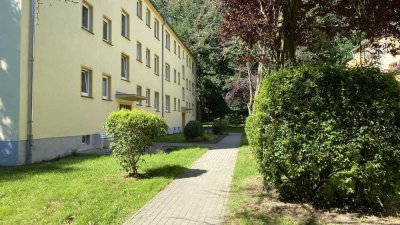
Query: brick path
{"points": [[199, 195]]}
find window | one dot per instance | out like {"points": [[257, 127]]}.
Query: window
{"points": [[107, 30], [174, 75], [190, 85], [187, 84], [139, 93], [179, 51], [148, 16], [156, 65], [87, 16], [124, 67], [179, 78], [106, 85], [167, 103], [174, 104], [167, 72], [156, 101], [86, 139], [187, 61], [139, 9], [193, 109], [148, 97], [147, 57], [193, 68], [183, 94], [86, 79], [193, 89], [156, 29], [122, 106], [183, 72], [174, 46], [167, 40], [125, 24], [183, 53], [179, 105], [139, 51]]}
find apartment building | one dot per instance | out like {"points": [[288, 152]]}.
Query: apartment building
{"points": [[65, 66], [365, 54]]}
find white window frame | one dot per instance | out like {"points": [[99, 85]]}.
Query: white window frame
{"points": [[139, 9], [183, 94], [148, 17], [148, 93], [89, 25], [156, 101], [125, 29], [148, 57], [124, 68], [167, 72], [174, 75], [179, 78], [107, 87], [87, 77], [107, 24], [139, 51], [156, 65], [139, 93], [156, 28], [167, 103], [167, 40]]}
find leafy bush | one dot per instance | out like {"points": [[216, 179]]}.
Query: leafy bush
{"points": [[131, 133], [327, 132], [220, 126], [193, 130]]}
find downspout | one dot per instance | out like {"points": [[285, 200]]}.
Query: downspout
{"points": [[162, 69], [29, 141]]}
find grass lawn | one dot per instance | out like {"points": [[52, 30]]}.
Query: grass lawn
{"points": [[85, 189], [179, 138]]}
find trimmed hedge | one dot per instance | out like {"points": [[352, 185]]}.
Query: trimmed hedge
{"points": [[329, 134], [194, 129], [131, 133]]}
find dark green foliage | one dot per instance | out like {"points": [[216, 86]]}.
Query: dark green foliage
{"points": [[193, 130], [131, 133], [330, 134], [220, 126]]}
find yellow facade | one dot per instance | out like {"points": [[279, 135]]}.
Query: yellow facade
{"points": [[365, 55], [63, 47]]}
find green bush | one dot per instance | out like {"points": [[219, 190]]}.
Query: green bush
{"points": [[328, 133], [220, 126], [193, 130], [131, 133]]}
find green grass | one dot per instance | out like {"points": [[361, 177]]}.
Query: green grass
{"points": [[85, 189], [179, 138]]}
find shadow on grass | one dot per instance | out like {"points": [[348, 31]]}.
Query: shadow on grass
{"points": [[173, 171], [60, 166]]}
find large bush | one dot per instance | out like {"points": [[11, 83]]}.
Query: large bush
{"points": [[131, 133], [329, 133], [220, 126], [193, 130]]}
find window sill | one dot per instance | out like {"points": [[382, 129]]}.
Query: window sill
{"points": [[108, 42], [148, 66], [139, 60], [107, 100], [157, 74], [84, 28], [157, 38], [90, 97], [127, 38], [148, 25], [123, 79], [148, 106], [156, 110]]}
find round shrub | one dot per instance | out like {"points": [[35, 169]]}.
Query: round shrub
{"points": [[327, 133], [220, 126], [131, 133], [193, 130]]}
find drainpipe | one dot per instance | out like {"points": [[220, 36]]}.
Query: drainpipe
{"points": [[29, 141], [162, 69]]}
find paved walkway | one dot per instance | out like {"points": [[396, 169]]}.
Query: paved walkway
{"points": [[199, 195]]}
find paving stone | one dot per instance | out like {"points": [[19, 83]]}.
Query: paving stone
{"points": [[200, 194]]}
